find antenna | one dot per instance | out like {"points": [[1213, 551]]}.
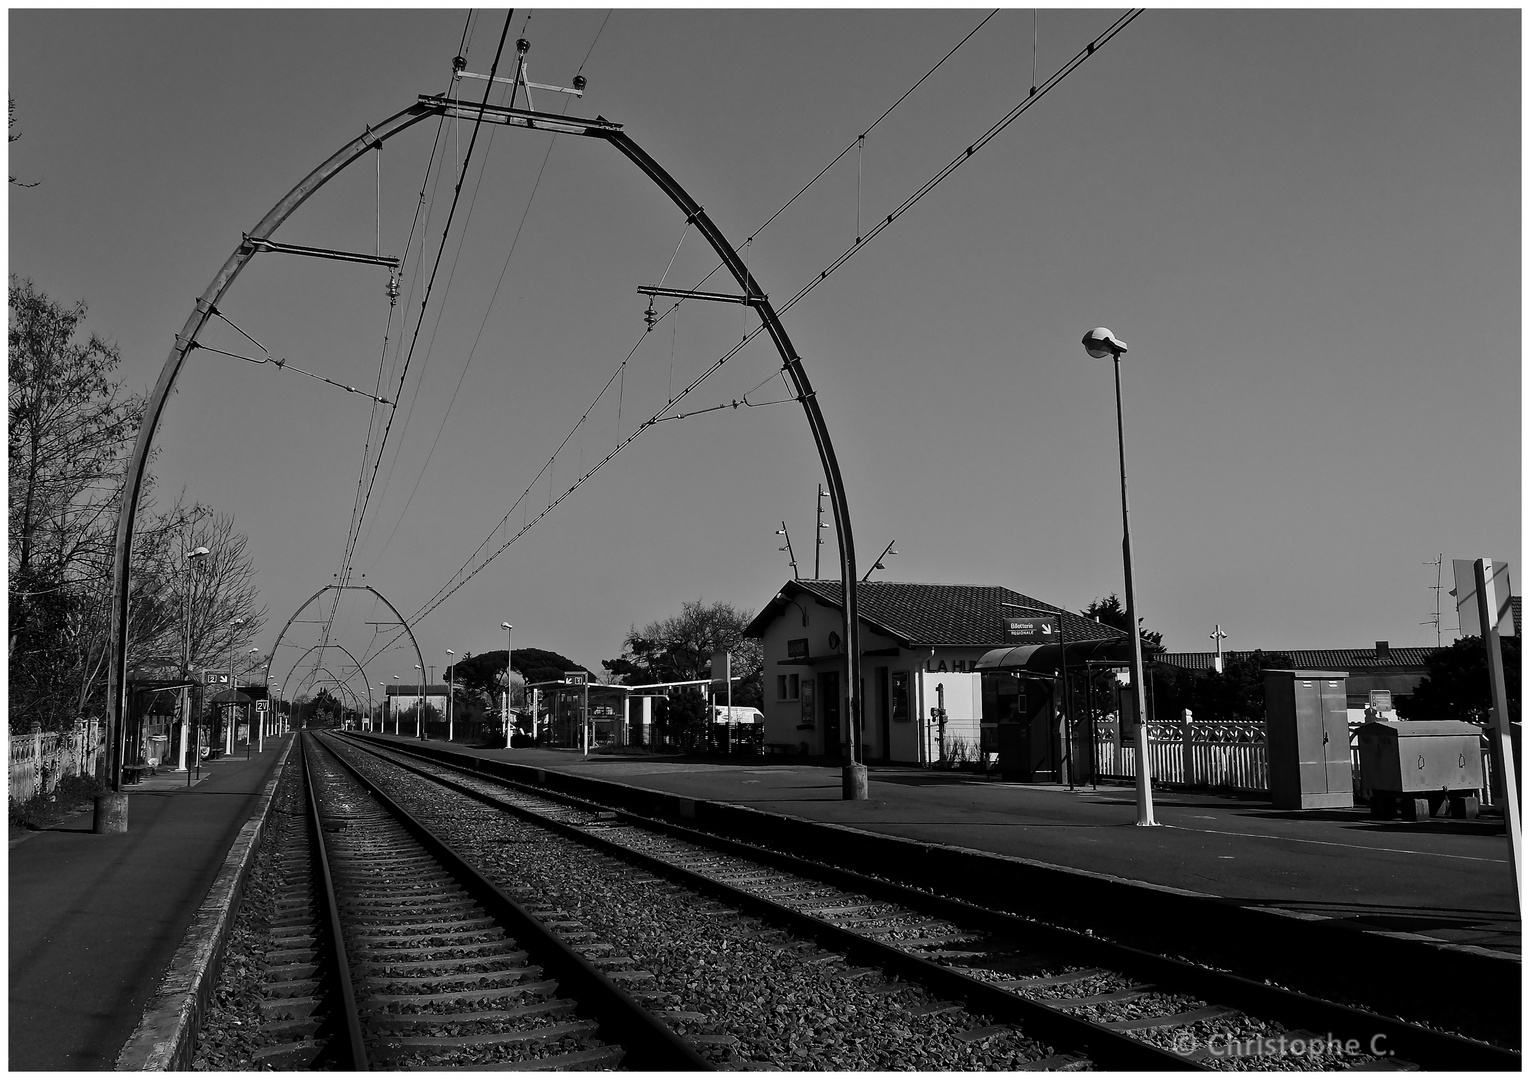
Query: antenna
{"points": [[821, 527], [1438, 563]]}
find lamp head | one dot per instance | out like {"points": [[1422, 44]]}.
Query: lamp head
{"points": [[506, 626], [1100, 342], [199, 553]]}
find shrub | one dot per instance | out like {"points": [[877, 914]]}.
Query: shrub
{"points": [[40, 810]]}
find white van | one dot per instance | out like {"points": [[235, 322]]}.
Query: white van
{"points": [[738, 714]]}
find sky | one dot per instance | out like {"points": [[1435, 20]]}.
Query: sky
{"points": [[1305, 225]]}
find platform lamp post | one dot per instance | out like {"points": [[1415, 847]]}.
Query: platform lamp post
{"points": [[450, 674], [1099, 343], [395, 710], [419, 707], [193, 560], [509, 725], [271, 717], [228, 735], [251, 722]]}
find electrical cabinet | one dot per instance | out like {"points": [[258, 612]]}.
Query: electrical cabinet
{"points": [[1421, 765], [1306, 727]]}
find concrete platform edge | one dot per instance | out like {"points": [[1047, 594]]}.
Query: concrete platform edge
{"points": [[166, 1036]]}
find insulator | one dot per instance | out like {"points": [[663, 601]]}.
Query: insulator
{"points": [[522, 45], [650, 316], [392, 290], [579, 83], [459, 63]]}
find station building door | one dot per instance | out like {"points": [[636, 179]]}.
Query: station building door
{"points": [[828, 697]]}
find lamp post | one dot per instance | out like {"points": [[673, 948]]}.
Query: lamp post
{"points": [[193, 560], [430, 680], [228, 735], [419, 707], [1217, 635], [395, 710], [449, 676], [249, 667], [509, 726], [1100, 342]]}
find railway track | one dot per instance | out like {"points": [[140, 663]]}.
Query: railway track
{"points": [[382, 949], [1063, 999]]}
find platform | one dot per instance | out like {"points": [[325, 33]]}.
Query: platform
{"points": [[95, 919], [1444, 879]]}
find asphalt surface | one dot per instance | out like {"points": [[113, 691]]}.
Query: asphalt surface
{"points": [[95, 919], [1444, 879]]}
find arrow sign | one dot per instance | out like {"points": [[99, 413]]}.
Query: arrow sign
{"points": [[1039, 629]]}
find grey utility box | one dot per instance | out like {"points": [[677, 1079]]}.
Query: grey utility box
{"points": [[1306, 730], [1418, 766]]}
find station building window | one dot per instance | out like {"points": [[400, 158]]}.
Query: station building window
{"points": [[788, 687]]}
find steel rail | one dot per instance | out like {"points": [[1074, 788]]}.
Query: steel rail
{"points": [[1048, 1023], [354, 1048], [651, 1046], [1430, 1048]]}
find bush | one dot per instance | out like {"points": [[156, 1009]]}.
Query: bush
{"points": [[41, 811]]}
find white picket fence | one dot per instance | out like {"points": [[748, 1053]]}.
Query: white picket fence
{"points": [[1214, 755], [39, 760]]}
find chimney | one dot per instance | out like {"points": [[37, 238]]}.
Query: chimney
{"points": [[1383, 652]]}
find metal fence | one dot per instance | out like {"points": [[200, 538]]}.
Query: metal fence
{"points": [[1230, 757], [1214, 755], [39, 760]]}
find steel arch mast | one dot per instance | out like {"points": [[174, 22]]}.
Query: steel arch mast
{"points": [[373, 137]]}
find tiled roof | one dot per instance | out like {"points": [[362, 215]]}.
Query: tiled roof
{"points": [[942, 614], [1354, 661]]}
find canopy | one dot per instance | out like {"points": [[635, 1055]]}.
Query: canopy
{"points": [[227, 697], [1048, 658]]}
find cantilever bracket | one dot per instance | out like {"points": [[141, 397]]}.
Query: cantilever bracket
{"points": [[259, 243], [696, 294]]}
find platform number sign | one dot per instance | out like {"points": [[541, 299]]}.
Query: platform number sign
{"points": [[574, 678], [212, 678], [262, 706]]}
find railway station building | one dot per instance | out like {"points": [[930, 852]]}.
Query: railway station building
{"points": [[987, 655]]}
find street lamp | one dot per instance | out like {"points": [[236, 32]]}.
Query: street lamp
{"points": [[193, 560], [507, 628], [419, 709], [250, 722], [1099, 343], [396, 682], [450, 674], [228, 737]]}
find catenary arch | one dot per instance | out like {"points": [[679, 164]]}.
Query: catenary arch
{"points": [[315, 648], [271, 659], [373, 137]]}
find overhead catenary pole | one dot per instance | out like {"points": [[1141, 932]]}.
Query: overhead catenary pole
{"points": [[111, 808]]}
